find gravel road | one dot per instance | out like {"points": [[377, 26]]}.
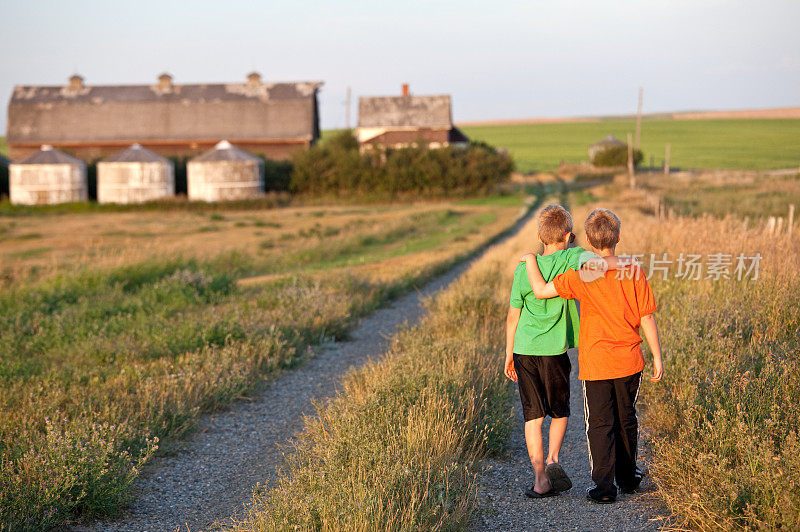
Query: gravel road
{"points": [[211, 479], [504, 506]]}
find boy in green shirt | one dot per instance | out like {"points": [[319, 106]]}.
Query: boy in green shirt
{"points": [[538, 334]]}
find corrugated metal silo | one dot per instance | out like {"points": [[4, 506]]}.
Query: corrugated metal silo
{"points": [[134, 175], [47, 177], [225, 173]]}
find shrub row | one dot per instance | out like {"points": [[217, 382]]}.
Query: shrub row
{"points": [[337, 167]]}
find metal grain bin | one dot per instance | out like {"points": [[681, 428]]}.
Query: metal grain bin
{"points": [[134, 175], [225, 173], [47, 177]]}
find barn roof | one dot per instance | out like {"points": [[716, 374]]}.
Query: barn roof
{"points": [[405, 111], [163, 111], [225, 151], [49, 155], [99, 94], [136, 154]]}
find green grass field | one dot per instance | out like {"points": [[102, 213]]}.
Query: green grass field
{"points": [[3, 146], [747, 144]]}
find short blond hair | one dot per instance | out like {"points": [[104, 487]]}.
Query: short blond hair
{"points": [[554, 223], [602, 229]]}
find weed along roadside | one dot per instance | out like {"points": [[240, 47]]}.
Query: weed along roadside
{"points": [[100, 363]]}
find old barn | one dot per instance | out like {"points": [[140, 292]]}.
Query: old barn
{"points": [[403, 120], [93, 121]]}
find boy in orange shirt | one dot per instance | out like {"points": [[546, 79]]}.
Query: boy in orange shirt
{"points": [[614, 305]]}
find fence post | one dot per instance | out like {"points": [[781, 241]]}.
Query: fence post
{"points": [[790, 223], [666, 159]]}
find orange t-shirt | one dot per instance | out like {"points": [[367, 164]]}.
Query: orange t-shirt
{"points": [[611, 309]]}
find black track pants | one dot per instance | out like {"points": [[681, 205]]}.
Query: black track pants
{"points": [[612, 430]]}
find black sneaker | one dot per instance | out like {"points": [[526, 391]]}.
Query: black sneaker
{"points": [[631, 488], [595, 495]]}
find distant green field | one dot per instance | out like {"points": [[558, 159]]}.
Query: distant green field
{"points": [[748, 144], [3, 146]]}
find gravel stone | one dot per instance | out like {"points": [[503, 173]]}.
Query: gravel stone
{"points": [[504, 506]]}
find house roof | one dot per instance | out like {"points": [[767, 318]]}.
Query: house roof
{"points": [[49, 155], [78, 113], [225, 151], [405, 111], [410, 136], [136, 154]]}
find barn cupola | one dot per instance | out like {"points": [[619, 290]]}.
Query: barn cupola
{"points": [[165, 82], [254, 79], [76, 82]]}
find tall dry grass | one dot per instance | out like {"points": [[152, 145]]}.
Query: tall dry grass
{"points": [[397, 448], [724, 424]]}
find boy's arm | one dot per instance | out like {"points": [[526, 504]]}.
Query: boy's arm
{"points": [[512, 320], [650, 329], [541, 289]]}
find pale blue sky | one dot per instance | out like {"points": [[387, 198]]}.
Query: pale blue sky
{"points": [[498, 59]]}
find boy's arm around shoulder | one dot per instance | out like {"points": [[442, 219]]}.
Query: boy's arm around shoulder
{"points": [[541, 289]]}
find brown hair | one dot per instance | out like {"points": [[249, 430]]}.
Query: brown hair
{"points": [[554, 223], [602, 229]]}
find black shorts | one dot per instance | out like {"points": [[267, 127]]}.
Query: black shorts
{"points": [[543, 385]]}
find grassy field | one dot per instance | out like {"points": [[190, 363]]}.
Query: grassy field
{"points": [[397, 449], [3, 146], [723, 425], [119, 329], [726, 193], [758, 144]]}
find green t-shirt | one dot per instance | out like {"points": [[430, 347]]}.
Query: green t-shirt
{"points": [[546, 326]]}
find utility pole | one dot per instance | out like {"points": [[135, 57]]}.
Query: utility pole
{"points": [[347, 109], [630, 163], [639, 120]]}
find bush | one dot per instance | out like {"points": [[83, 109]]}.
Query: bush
{"points": [[617, 156], [277, 175], [337, 167]]}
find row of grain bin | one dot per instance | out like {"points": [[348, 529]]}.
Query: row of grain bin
{"points": [[135, 175]]}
